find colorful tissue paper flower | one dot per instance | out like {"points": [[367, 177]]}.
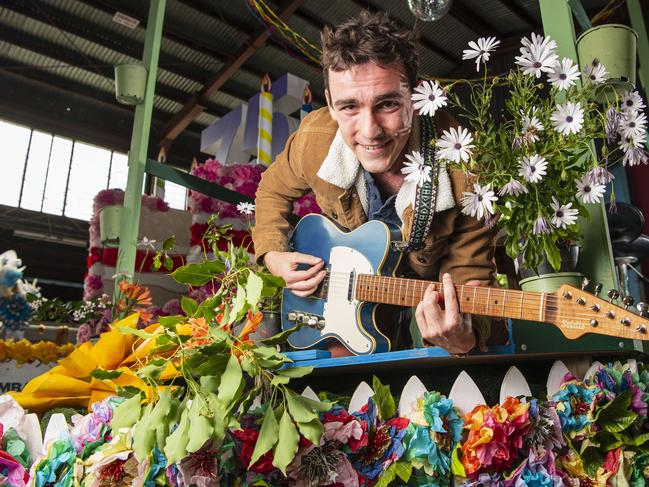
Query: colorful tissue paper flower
{"points": [[575, 404], [615, 380], [14, 312], [91, 431], [57, 466], [545, 428], [12, 472], [153, 470], [113, 464], [485, 480], [340, 426], [247, 438], [434, 430], [536, 471], [384, 445], [570, 467], [495, 436], [200, 468]]}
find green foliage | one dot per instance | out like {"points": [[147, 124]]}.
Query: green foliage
{"points": [[383, 399]]}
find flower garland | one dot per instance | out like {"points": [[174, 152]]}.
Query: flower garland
{"points": [[588, 433], [23, 351]]}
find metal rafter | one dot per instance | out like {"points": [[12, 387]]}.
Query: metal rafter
{"points": [[479, 25], [89, 64], [193, 107], [521, 13]]}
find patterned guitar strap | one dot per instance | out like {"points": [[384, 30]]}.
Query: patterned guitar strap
{"points": [[426, 198]]}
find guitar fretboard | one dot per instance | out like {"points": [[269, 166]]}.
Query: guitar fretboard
{"points": [[505, 303]]}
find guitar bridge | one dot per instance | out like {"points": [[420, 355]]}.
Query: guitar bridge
{"points": [[312, 321]]}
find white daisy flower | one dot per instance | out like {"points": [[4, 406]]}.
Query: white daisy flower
{"points": [[531, 125], [478, 203], [631, 102], [537, 55], [564, 74], [633, 142], [564, 215], [635, 156], [532, 169], [245, 208], [595, 72], [633, 124], [428, 97], [540, 226], [415, 169], [588, 192], [455, 145], [480, 50], [513, 187], [568, 118]]}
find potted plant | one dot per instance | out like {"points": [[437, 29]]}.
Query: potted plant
{"points": [[534, 170]]}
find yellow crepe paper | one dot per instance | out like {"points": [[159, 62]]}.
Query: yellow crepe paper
{"points": [[70, 383], [24, 351]]}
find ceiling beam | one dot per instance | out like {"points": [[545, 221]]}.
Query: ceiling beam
{"points": [[192, 107], [473, 22], [89, 64]]}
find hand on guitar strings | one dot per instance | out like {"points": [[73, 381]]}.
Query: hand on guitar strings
{"points": [[444, 326], [302, 283]]}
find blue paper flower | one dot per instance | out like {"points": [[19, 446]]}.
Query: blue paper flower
{"points": [[575, 404], [14, 312]]}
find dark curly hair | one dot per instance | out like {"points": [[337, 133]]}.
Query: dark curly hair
{"points": [[370, 37]]}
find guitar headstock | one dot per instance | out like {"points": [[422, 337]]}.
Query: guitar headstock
{"points": [[577, 312]]}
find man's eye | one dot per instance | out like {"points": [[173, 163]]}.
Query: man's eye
{"points": [[389, 104], [348, 108]]}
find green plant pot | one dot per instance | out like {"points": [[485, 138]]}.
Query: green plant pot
{"points": [[548, 283], [110, 220], [130, 83], [614, 45]]}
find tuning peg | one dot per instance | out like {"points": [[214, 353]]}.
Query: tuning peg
{"points": [[643, 308], [598, 288], [628, 301], [613, 294], [584, 283]]}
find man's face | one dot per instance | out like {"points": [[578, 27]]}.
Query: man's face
{"points": [[372, 106]]}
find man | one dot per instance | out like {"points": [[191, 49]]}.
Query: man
{"points": [[351, 154]]}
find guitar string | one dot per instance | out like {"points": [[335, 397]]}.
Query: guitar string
{"points": [[528, 299]]}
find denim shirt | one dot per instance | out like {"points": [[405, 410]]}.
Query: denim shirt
{"points": [[378, 209]]}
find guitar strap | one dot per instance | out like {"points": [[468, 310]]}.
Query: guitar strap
{"points": [[426, 198]]}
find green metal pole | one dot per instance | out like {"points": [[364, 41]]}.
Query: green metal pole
{"points": [[638, 24], [596, 259], [138, 152]]}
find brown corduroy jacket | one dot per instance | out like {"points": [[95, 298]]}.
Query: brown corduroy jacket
{"points": [[315, 159]]}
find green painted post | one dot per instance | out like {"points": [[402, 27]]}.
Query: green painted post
{"points": [[596, 260], [138, 151], [638, 24]]}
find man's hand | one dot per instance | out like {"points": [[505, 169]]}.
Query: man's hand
{"points": [[301, 283], [445, 327]]}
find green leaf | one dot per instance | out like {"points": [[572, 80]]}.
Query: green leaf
{"points": [[280, 338], [617, 415], [200, 427], [296, 372], [312, 430], [253, 289], [152, 370], [126, 330], [169, 243], [279, 379], [386, 477], [176, 446], [231, 382], [168, 263], [127, 413], [607, 441], [105, 374], [403, 470], [267, 436], [552, 253], [383, 399], [198, 274], [238, 304], [593, 460], [144, 434], [634, 440], [300, 410], [210, 383], [188, 305], [457, 467], [170, 322], [286, 446]]}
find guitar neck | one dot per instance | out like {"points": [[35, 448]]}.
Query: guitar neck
{"points": [[488, 301]]}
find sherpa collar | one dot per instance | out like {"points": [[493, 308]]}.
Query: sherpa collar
{"points": [[342, 169]]}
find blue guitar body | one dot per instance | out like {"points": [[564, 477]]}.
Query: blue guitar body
{"points": [[333, 314]]}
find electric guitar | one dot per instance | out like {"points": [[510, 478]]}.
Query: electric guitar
{"points": [[360, 274]]}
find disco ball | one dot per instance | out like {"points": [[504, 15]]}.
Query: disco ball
{"points": [[429, 10]]}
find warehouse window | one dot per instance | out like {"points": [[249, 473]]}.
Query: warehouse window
{"points": [[52, 174]]}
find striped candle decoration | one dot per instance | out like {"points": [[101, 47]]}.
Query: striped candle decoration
{"points": [[265, 136], [306, 103]]}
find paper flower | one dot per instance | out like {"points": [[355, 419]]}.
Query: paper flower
{"points": [[575, 404]]}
